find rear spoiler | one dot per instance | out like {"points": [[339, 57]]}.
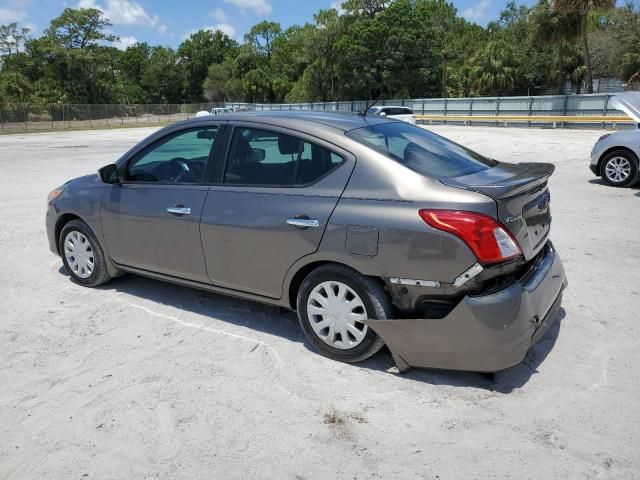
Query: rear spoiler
{"points": [[505, 180]]}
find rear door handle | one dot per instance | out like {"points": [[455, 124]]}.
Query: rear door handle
{"points": [[179, 210], [303, 222]]}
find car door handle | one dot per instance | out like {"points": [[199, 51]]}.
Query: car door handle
{"points": [[179, 210], [303, 222]]}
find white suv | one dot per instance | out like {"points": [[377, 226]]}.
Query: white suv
{"points": [[397, 113], [214, 111], [616, 156]]}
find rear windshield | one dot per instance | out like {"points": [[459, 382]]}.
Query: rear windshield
{"points": [[421, 150]]}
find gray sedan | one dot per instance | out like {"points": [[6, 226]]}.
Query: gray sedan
{"points": [[375, 231]]}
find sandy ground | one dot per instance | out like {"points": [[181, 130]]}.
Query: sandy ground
{"points": [[142, 379]]}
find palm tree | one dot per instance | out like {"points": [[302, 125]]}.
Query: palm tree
{"points": [[550, 27], [631, 67], [582, 8], [494, 68]]}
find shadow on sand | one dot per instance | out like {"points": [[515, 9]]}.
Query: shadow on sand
{"points": [[284, 323], [599, 181]]}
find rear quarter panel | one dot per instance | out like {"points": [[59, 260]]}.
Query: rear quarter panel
{"points": [[406, 246]]}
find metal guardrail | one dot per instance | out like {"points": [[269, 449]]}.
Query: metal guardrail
{"points": [[554, 120], [563, 110]]}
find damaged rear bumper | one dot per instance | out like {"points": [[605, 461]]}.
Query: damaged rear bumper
{"points": [[484, 333]]}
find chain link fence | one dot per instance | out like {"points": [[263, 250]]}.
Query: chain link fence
{"points": [[59, 116]]}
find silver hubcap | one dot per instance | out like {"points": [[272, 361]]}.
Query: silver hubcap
{"points": [[336, 314], [79, 254], [618, 169]]}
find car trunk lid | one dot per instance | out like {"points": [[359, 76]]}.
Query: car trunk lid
{"points": [[521, 194], [628, 102]]}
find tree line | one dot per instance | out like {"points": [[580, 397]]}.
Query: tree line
{"points": [[371, 48]]}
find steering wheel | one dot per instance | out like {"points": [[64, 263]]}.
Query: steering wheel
{"points": [[183, 172]]}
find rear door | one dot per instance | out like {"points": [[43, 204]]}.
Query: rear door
{"points": [[152, 220], [271, 205]]}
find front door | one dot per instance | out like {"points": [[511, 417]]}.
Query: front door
{"points": [[273, 203], [151, 221]]}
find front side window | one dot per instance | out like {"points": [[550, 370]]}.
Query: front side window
{"points": [[264, 158], [180, 158], [421, 150]]}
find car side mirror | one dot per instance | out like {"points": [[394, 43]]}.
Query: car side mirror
{"points": [[383, 114], [109, 174]]}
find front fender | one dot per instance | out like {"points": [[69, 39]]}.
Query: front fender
{"points": [[83, 202]]}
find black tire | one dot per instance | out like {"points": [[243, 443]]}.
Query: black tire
{"points": [[611, 157], [100, 274], [374, 297]]}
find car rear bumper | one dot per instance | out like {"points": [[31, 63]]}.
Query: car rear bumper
{"points": [[485, 333]]}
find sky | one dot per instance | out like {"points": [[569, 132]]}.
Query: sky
{"points": [[170, 22]]}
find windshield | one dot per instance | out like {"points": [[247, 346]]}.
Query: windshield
{"points": [[421, 150]]}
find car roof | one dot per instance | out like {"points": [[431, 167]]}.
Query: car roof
{"points": [[342, 121]]}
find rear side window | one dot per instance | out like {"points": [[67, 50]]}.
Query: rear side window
{"points": [[264, 158], [421, 150]]}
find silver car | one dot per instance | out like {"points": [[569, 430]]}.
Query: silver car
{"points": [[403, 114], [375, 231], [615, 155]]}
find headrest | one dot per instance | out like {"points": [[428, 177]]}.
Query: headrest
{"points": [[413, 152], [288, 145], [243, 147]]}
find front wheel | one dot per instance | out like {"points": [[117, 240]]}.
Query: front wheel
{"points": [[333, 302], [619, 168], [82, 255]]}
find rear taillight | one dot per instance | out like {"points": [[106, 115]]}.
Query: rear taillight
{"points": [[489, 241]]}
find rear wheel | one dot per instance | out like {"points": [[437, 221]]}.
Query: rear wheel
{"points": [[619, 168], [333, 303], [82, 255]]}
